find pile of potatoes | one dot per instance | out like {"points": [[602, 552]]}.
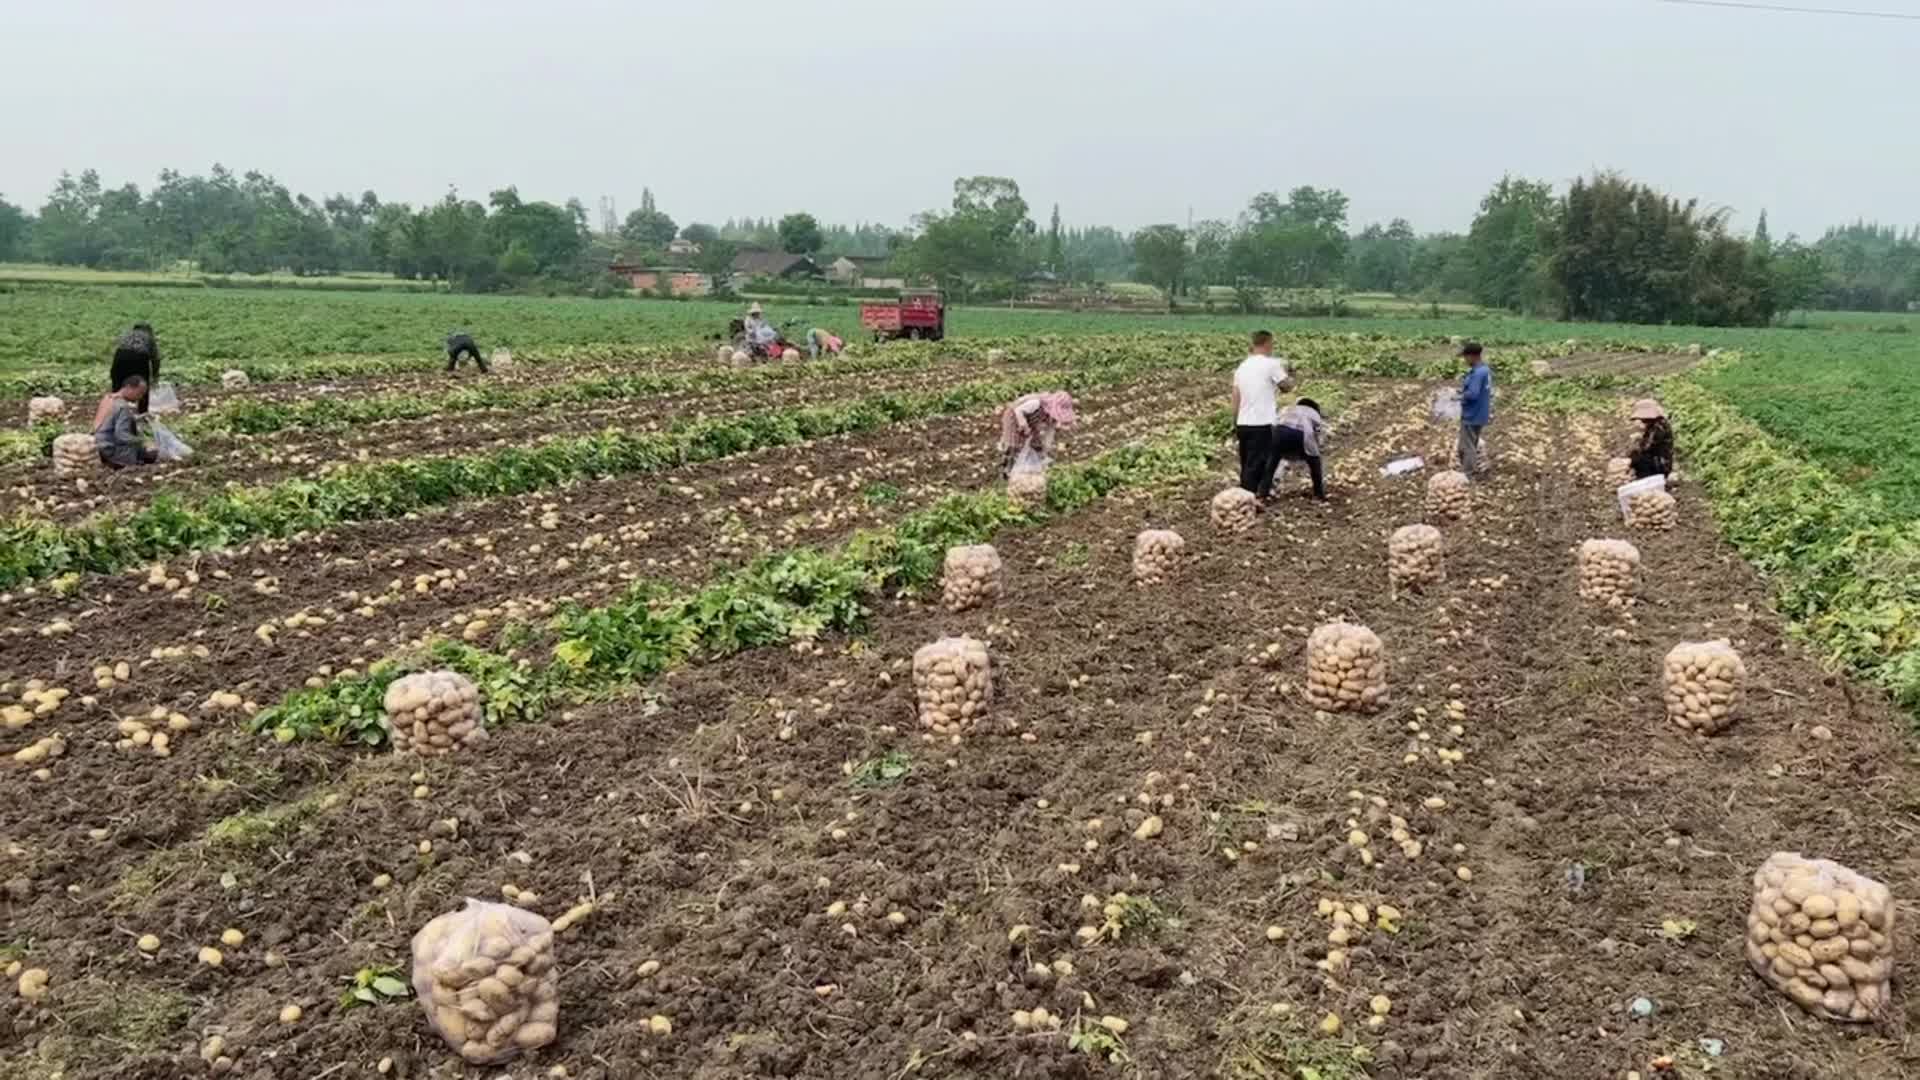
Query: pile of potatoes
{"points": [[234, 379], [486, 979], [1027, 487], [44, 409], [1346, 668], [971, 577], [789, 355], [1822, 934], [1156, 552], [1235, 510], [433, 712], [1654, 510], [74, 454], [1448, 495], [1415, 556], [739, 358], [1607, 569], [953, 683], [1619, 471], [724, 353], [1703, 685]]}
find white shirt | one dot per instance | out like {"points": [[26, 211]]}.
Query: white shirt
{"points": [[1258, 378]]}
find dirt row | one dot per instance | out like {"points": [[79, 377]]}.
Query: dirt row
{"points": [[268, 458], [718, 825]]}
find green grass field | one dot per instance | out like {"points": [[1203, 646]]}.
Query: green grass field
{"points": [[1845, 388]]}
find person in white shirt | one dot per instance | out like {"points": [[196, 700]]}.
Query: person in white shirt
{"points": [[1257, 383]]}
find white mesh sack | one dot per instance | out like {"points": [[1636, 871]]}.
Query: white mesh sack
{"points": [[1823, 935], [485, 976]]}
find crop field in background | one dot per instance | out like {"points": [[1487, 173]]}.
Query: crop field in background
{"points": [[690, 595]]}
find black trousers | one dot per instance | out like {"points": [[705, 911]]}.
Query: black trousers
{"points": [[129, 362], [1290, 444], [1257, 458], [454, 355]]}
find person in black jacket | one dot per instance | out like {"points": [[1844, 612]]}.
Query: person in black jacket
{"points": [[459, 344], [136, 353], [1652, 453]]}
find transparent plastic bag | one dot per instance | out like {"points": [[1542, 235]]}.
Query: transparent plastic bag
{"points": [[1444, 406], [166, 445], [1626, 492], [163, 398], [486, 978]]}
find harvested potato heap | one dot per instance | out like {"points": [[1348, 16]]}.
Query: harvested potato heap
{"points": [[724, 353], [789, 355], [485, 977], [1156, 552], [234, 379], [1607, 569], [953, 682], [74, 454], [1448, 494], [1703, 685], [1821, 934], [433, 712], [1235, 510], [739, 358], [43, 409], [1654, 510], [1619, 471], [1414, 556], [996, 356], [1027, 487], [971, 578], [1346, 668]]}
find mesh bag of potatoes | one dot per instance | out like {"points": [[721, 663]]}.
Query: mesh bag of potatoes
{"points": [[1703, 685], [1448, 494], [234, 379], [433, 712], [1619, 471], [1607, 569], [74, 454], [1235, 510], [1156, 552], [43, 409], [1654, 510], [1822, 935], [485, 977], [1415, 556], [1027, 487], [1346, 668], [971, 577], [953, 683]]}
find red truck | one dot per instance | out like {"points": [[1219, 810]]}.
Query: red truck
{"points": [[921, 314]]}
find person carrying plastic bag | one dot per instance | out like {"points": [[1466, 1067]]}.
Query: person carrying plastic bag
{"points": [[1028, 427]]}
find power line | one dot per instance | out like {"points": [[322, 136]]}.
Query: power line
{"points": [[1789, 8]]}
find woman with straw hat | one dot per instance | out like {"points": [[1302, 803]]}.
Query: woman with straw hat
{"points": [[1652, 453]]}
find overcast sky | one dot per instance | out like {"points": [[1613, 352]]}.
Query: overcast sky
{"points": [[1123, 113]]}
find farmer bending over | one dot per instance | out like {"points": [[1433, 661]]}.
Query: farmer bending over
{"points": [[1027, 428], [136, 353], [1297, 437], [115, 432], [1652, 453], [819, 341], [461, 344]]}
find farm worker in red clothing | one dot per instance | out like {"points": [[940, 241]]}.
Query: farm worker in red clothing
{"points": [[1027, 428], [819, 341]]}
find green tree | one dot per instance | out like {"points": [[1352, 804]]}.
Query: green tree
{"points": [[1381, 259], [15, 231], [699, 235], [799, 234], [716, 259], [1056, 248], [1509, 242], [979, 238], [1212, 241], [1799, 275], [1160, 257], [1299, 241], [648, 229]]}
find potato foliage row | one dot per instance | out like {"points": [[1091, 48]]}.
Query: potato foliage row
{"points": [[31, 549], [781, 598]]}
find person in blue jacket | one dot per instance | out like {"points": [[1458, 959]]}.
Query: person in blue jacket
{"points": [[1476, 406]]}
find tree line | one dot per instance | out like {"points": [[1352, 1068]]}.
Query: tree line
{"points": [[1604, 247]]}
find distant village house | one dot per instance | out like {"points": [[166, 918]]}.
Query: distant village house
{"points": [[863, 271]]}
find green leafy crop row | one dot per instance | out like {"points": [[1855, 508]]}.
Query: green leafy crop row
{"points": [[35, 548], [1846, 577], [782, 598]]}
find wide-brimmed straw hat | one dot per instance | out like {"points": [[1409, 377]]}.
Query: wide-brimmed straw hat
{"points": [[754, 310], [1648, 409]]}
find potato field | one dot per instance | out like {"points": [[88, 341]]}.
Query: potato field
{"points": [[1325, 797]]}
